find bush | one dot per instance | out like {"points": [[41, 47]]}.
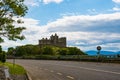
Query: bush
{"points": [[47, 50], [75, 51], [62, 51], [3, 57]]}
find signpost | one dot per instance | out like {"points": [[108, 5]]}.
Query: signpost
{"points": [[98, 53], [14, 57], [14, 52]]}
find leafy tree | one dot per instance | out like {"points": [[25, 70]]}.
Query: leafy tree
{"points": [[10, 51], [62, 51], [47, 50], [75, 51], [20, 51], [36, 50], [10, 13], [27, 50], [32, 49]]}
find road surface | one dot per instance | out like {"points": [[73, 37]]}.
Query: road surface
{"points": [[70, 70]]}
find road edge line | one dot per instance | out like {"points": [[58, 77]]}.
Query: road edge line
{"points": [[28, 76]]}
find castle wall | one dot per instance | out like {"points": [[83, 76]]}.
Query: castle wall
{"points": [[54, 41]]}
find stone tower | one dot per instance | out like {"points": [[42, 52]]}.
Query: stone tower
{"points": [[53, 41]]}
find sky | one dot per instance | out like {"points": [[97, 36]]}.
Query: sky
{"points": [[85, 23]]}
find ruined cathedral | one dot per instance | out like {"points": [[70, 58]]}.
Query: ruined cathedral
{"points": [[54, 40]]}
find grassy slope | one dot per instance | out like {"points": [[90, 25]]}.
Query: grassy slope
{"points": [[16, 69]]}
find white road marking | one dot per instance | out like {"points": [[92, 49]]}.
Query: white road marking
{"points": [[112, 72], [70, 77], [51, 71], [57, 78], [100, 70], [40, 68], [46, 69], [59, 73]]}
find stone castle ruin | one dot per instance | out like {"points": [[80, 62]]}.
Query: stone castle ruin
{"points": [[54, 40]]}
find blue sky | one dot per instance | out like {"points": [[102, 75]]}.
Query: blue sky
{"points": [[52, 11], [85, 23]]}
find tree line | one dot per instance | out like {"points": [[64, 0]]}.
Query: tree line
{"points": [[29, 50]]}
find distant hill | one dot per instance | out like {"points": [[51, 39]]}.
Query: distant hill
{"points": [[118, 52], [92, 52]]}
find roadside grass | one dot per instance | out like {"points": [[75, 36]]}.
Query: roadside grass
{"points": [[14, 69]]}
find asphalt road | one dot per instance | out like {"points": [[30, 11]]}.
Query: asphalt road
{"points": [[70, 70]]}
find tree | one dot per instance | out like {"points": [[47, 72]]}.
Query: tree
{"points": [[3, 57], [20, 51], [10, 51], [0, 53], [10, 13], [62, 51], [36, 50], [0, 49], [75, 51], [47, 50]]}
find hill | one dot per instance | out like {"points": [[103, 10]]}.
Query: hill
{"points": [[92, 52]]}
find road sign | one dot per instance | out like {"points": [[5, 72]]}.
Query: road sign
{"points": [[99, 48]]}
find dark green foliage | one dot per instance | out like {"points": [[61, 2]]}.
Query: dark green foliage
{"points": [[62, 51], [0, 56], [0, 49], [3, 57], [20, 51], [47, 50], [10, 51], [27, 50], [75, 51], [10, 12], [118, 55]]}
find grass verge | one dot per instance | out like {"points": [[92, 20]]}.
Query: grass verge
{"points": [[14, 69]]}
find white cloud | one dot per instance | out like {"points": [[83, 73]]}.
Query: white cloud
{"points": [[84, 31], [117, 6], [86, 23], [8, 44], [49, 1], [111, 47], [32, 2], [116, 9], [116, 1], [37, 2]]}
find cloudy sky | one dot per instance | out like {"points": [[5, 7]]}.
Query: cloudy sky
{"points": [[85, 23]]}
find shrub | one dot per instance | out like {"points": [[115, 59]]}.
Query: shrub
{"points": [[3, 57]]}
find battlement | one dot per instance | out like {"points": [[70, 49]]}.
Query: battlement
{"points": [[54, 40]]}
